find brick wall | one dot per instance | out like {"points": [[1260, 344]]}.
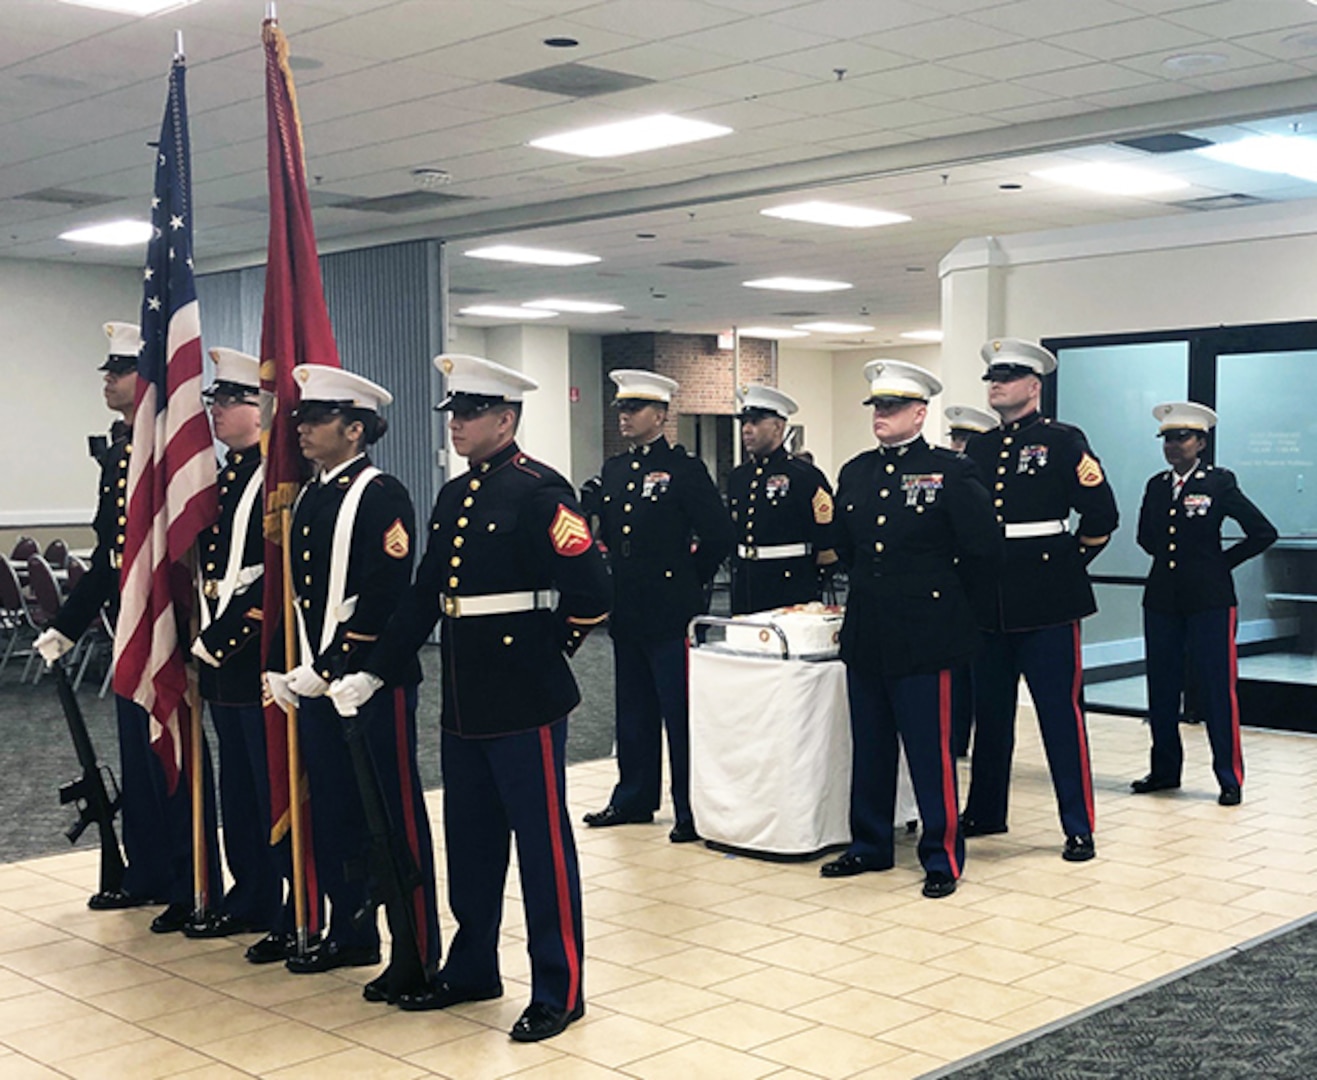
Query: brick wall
{"points": [[702, 370]]}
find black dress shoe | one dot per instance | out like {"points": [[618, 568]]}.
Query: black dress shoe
{"points": [[172, 919], [683, 833], [215, 924], [441, 995], [543, 1022], [1079, 848], [970, 827], [1152, 783], [611, 815], [1230, 796], [378, 989], [116, 900], [937, 884], [848, 865], [328, 955]]}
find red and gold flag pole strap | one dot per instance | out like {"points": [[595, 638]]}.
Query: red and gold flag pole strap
{"points": [[294, 754]]}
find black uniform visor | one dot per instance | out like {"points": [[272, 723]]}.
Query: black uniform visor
{"points": [[468, 406], [119, 365], [1007, 372], [319, 412], [224, 393]]}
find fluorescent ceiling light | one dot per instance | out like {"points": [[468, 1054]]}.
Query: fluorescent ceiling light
{"points": [[827, 213], [132, 7], [534, 256], [797, 284], [631, 136], [1112, 179], [825, 327], [923, 335], [772, 333], [506, 311], [123, 233], [583, 307], [1292, 155]]}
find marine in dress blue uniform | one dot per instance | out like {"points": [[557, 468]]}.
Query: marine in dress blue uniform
{"points": [[782, 509], [157, 825], [667, 532], [1189, 603], [351, 557], [512, 574], [963, 423], [912, 519], [1038, 471], [230, 576]]}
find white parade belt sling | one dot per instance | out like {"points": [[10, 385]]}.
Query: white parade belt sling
{"points": [[507, 603], [1027, 530], [775, 551]]}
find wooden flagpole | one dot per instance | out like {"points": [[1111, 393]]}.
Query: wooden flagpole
{"points": [[294, 754]]}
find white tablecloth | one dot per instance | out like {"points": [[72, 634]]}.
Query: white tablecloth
{"points": [[771, 753]]}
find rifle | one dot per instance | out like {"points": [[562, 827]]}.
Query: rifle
{"points": [[393, 873], [91, 792]]}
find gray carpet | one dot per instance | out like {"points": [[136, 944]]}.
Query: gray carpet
{"points": [[1250, 1013], [36, 754]]}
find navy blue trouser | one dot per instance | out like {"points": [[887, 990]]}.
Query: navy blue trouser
{"points": [[1052, 664], [917, 708], [256, 896], [494, 789], [962, 708], [1205, 639], [340, 835], [157, 826], [652, 693]]}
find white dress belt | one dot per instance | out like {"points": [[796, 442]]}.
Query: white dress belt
{"points": [[1024, 530], [507, 603], [773, 551]]}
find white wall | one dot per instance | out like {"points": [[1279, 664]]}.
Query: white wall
{"points": [[51, 316], [542, 353], [585, 353], [806, 374]]}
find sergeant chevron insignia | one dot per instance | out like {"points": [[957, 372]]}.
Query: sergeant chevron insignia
{"points": [[1089, 471], [822, 504], [397, 544], [569, 532]]}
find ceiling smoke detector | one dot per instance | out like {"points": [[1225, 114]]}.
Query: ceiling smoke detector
{"points": [[431, 178]]}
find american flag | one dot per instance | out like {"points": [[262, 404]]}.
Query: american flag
{"points": [[295, 329], [171, 473]]}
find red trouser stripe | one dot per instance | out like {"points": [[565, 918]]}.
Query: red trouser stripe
{"points": [[1236, 751], [405, 794], [948, 764], [1081, 732], [566, 923]]}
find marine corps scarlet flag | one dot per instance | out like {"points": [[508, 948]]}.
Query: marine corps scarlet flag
{"points": [[295, 329]]}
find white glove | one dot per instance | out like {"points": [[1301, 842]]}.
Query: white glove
{"points": [[203, 654], [51, 644], [353, 691], [305, 682], [276, 685]]}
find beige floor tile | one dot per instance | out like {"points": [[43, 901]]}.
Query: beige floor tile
{"points": [[861, 1011], [13, 985], [102, 978], [1187, 939], [906, 1067], [1043, 1011], [45, 957], [994, 964], [271, 985], [1156, 966], [659, 1001], [1026, 906], [351, 1064], [140, 1003], [145, 1059], [486, 1055], [274, 1046], [831, 925], [829, 1052], [1190, 911], [806, 954], [601, 975], [1011, 933], [642, 879], [668, 919], [775, 988], [763, 908], [1043, 884], [606, 903], [696, 966], [614, 1041], [43, 895], [403, 1034], [39, 1009], [733, 935], [331, 1010], [1112, 925], [978, 999], [566, 1068], [797, 883], [1126, 899], [27, 934], [886, 975], [698, 894], [702, 1062], [17, 1067], [1092, 951], [57, 1042], [907, 943], [1083, 986], [741, 1025], [630, 947], [207, 1023], [949, 1034]]}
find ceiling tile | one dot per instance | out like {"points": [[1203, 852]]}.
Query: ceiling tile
{"points": [[1234, 18], [943, 38], [1087, 79], [898, 114], [1017, 61], [988, 98], [918, 80], [678, 16], [747, 80], [1259, 75], [1153, 62], [1046, 18], [822, 61], [663, 60], [824, 98], [847, 19], [1133, 38], [752, 41]]}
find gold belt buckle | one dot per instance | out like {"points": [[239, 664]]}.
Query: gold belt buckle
{"points": [[751, 552], [450, 606], [210, 589]]}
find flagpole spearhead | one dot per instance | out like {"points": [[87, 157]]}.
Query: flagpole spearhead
{"points": [[271, 11], [178, 46]]}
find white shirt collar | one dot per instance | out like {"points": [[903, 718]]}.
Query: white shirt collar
{"points": [[326, 477]]}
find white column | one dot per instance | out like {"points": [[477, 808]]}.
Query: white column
{"points": [[542, 353], [973, 310]]}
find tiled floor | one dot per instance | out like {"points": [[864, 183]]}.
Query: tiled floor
{"points": [[703, 965]]}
